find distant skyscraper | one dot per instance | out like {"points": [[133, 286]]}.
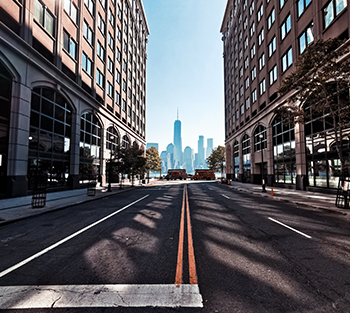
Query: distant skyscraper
{"points": [[177, 143], [188, 159], [201, 159], [170, 161], [151, 144], [210, 146]]}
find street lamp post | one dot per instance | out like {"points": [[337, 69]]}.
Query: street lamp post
{"points": [[110, 166], [261, 136]]}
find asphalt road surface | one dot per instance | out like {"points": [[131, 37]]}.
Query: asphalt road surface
{"points": [[177, 247]]}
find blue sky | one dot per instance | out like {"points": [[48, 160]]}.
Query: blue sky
{"points": [[185, 71]]}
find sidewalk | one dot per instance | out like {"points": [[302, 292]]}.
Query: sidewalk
{"points": [[15, 209], [316, 200]]}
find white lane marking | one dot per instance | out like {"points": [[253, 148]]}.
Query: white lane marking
{"points": [[78, 296], [33, 257], [225, 196], [293, 229]]}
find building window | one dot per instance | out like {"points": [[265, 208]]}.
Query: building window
{"points": [[271, 19], [260, 143], [118, 76], [110, 65], [112, 139], [286, 26], [87, 31], [242, 109], [101, 24], [110, 41], [332, 9], [254, 96], [252, 30], [245, 43], [103, 3], [261, 61], [254, 73], [287, 60], [282, 2], [69, 44], [124, 85], [246, 157], [90, 5], [241, 72], [273, 75], [246, 63], [247, 83], [124, 105], [283, 139], [100, 79], [117, 98], [261, 36], [260, 12], [110, 89], [262, 87], [87, 64], [71, 10], [251, 8], [241, 91], [252, 51], [90, 147], [247, 103], [236, 157], [272, 46], [50, 137], [306, 37], [100, 51], [43, 16], [111, 17], [302, 5]]}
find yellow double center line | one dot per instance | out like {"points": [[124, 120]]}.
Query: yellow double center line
{"points": [[180, 254]]}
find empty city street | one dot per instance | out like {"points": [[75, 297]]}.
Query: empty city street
{"points": [[178, 246]]}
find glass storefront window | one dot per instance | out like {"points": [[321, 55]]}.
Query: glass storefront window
{"points": [[49, 138], [236, 158], [284, 151], [246, 157]]}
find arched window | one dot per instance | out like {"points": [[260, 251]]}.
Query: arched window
{"points": [[246, 156], [112, 138], [90, 146], [236, 158], [260, 138], [283, 139], [49, 138], [126, 142]]}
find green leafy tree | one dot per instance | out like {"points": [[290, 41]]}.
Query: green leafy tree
{"points": [[134, 161], [153, 161], [216, 161], [320, 84]]}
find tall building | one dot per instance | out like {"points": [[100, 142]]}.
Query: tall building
{"points": [[210, 147], [262, 41], [152, 144], [201, 156], [170, 161], [188, 160], [177, 144], [73, 77]]}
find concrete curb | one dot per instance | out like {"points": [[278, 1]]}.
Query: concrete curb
{"points": [[92, 198], [315, 206]]}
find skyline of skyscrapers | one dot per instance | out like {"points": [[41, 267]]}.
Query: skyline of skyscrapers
{"points": [[176, 158]]}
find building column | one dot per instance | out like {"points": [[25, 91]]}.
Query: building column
{"points": [[17, 182], [75, 152], [241, 170], [300, 157], [269, 157]]}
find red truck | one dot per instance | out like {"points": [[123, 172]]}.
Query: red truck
{"points": [[203, 174], [176, 174]]}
